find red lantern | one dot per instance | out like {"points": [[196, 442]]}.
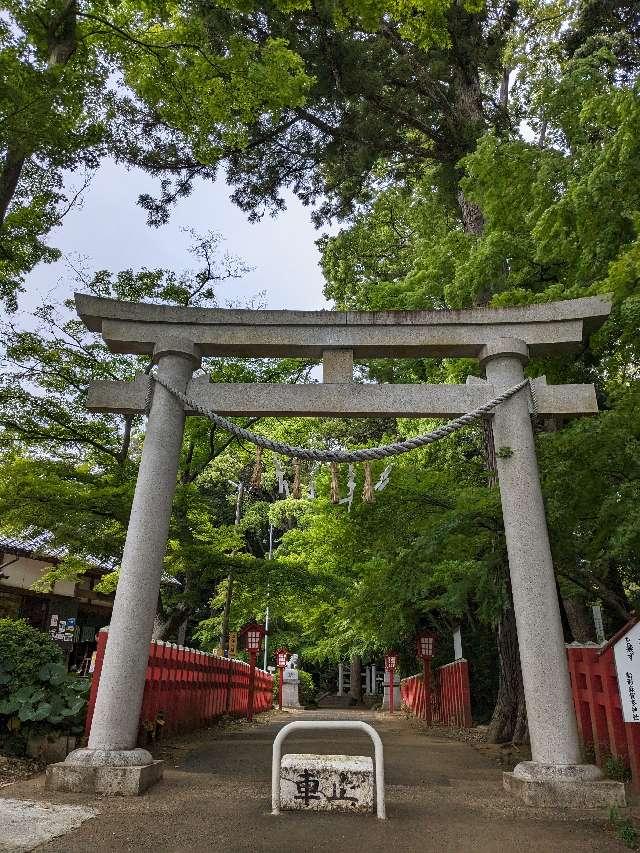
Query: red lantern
{"points": [[425, 647], [425, 644], [253, 633], [391, 660], [281, 659], [390, 664]]}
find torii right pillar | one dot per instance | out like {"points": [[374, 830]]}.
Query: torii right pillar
{"points": [[555, 776]]}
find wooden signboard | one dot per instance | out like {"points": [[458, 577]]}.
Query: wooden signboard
{"points": [[627, 656]]}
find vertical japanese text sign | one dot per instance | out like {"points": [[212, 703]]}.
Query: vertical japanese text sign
{"points": [[627, 655]]}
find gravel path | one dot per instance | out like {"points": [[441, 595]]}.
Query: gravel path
{"points": [[442, 795]]}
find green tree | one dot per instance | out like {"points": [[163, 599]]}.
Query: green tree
{"points": [[136, 81], [559, 221]]}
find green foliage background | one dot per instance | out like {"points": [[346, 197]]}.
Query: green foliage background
{"points": [[473, 154]]}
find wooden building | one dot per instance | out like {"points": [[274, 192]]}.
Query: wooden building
{"points": [[72, 613]]}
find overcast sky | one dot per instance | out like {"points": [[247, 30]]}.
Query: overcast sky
{"points": [[110, 232]]}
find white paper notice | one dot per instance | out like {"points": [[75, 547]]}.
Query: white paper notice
{"points": [[627, 655]]}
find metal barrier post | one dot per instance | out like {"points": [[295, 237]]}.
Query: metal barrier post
{"points": [[298, 725]]}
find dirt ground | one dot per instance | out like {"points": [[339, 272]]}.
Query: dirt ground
{"points": [[442, 795], [14, 769]]}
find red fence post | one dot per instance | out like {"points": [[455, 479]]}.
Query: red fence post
{"points": [[596, 699], [190, 687], [449, 700], [103, 635], [252, 685], [426, 680]]}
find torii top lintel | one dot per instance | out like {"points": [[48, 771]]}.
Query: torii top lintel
{"points": [[135, 327]]}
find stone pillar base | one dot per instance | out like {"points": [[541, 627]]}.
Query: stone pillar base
{"points": [[83, 779], [99, 771], [564, 792], [290, 695]]}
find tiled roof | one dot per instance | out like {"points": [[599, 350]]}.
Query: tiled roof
{"points": [[40, 547]]}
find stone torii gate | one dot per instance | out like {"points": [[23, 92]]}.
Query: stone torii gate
{"points": [[501, 339]]}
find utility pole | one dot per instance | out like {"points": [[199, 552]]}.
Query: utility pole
{"points": [[227, 603], [266, 621]]}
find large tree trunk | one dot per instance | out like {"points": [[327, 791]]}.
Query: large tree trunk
{"points": [[167, 629], [468, 117], [14, 160], [472, 218], [579, 619], [509, 720], [61, 44], [224, 639], [355, 691]]}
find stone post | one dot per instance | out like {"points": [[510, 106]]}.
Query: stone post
{"points": [[114, 730], [552, 724], [374, 679], [340, 679], [355, 690]]}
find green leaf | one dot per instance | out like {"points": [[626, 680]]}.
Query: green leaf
{"points": [[79, 705], [9, 706], [26, 713], [58, 674], [42, 712], [24, 694], [44, 673]]}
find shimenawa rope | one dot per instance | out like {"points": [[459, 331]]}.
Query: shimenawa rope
{"points": [[365, 454]]}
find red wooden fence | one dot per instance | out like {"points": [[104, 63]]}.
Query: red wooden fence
{"points": [[450, 695], [189, 688], [598, 709]]}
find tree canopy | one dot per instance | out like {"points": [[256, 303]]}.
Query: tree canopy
{"points": [[476, 153]]}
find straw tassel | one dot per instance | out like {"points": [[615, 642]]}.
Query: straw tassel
{"points": [[295, 486], [367, 489], [256, 476], [335, 485]]}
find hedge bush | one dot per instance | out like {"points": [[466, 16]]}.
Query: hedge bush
{"points": [[24, 650], [306, 687]]}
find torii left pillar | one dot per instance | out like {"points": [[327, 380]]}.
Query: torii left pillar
{"points": [[112, 763]]}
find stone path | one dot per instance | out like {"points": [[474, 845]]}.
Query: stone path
{"points": [[442, 796], [25, 824]]}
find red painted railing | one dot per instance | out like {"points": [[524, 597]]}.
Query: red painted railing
{"points": [[188, 688], [450, 695], [598, 709]]}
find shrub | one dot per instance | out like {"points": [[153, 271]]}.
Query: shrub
{"points": [[306, 688], [624, 829], [54, 701], [36, 693], [23, 652], [617, 769]]}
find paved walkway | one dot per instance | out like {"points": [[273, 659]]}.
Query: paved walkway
{"points": [[442, 795]]}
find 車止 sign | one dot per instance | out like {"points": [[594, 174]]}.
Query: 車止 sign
{"points": [[627, 656]]}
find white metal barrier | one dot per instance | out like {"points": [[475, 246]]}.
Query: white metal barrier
{"points": [[299, 725]]}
